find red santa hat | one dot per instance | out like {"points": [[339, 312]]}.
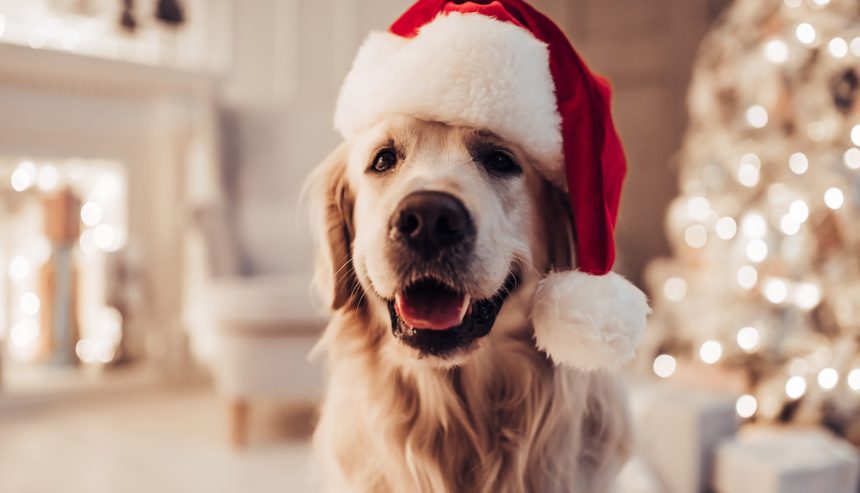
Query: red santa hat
{"points": [[502, 65]]}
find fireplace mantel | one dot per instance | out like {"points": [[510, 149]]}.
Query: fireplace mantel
{"points": [[64, 71]]}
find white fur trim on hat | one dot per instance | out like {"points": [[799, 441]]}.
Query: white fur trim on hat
{"points": [[462, 69], [588, 322]]}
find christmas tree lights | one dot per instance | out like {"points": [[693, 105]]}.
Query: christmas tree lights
{"points": [[765, 275]]}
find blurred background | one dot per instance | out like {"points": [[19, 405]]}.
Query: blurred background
{"points": [[155, 317]]}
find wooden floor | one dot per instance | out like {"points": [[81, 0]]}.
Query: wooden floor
{"points": [[156, 441]]}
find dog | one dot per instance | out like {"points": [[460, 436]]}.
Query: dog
{"points": [[433, 238]]}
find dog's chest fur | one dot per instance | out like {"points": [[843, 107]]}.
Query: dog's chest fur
{"points": [[507, 421]]}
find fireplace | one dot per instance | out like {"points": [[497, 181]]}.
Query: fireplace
{"points": [[116, 155]]}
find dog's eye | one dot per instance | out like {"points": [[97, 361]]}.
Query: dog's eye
{"points": [[500, 162], [384, 161]]}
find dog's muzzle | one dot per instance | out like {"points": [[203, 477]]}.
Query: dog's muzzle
{"points": [[431, 247]]}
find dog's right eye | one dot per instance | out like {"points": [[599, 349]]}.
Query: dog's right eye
{"points": [[384, 161]]}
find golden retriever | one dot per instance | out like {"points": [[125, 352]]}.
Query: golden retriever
{"points": [[432, 240]]}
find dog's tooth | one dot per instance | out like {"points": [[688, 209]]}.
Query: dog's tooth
{"points": [[467, 301]]}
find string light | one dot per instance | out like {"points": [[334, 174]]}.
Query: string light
{"points": [[789, 225], [110, 324], [85, 351], [855, 135], [86, 242], [696, 236], [48, 178], [795, 387], [834, 198], [664, 366], [699, 208], [95, 350], [852, 157], [19, 268], [757, 116], [805, 33], [746, 406], [775, 290], [807, 296], [91, 213], [710, 352], [854, 379], [29, 303], [757, 250], [793, 3], [754, 225], [748, 171], [748, 175], [776, 51], [24, 334], [838, 47], [104, 237], [821, 2], [855, 46], [24, 176], [748, 339], [828, 378], [798, 163], [798, 210], [747, 277], [675, 289], [726, 228]]}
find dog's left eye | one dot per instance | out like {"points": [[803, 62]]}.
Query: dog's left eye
{"points": [[384, 161], [500, 162]]}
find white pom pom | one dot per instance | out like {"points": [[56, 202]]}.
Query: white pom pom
{"points": [[588, 322]]}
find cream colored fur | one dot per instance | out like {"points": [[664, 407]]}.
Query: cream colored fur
{"points": [[499, 418]]}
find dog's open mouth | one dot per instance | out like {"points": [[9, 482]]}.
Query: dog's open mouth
{"points": [[436, 319], [429, 304]]}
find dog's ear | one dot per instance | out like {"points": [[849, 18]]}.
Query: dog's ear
{"points": [[331, 222], [558, 224]]}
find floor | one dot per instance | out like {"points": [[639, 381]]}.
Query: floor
{"points": [[168, 440]]}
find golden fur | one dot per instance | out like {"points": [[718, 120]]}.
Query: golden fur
{"points": [[501, 418]]}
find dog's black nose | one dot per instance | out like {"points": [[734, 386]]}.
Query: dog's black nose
{"points": [[428, 222]]}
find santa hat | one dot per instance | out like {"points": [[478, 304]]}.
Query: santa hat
{"points": [[502, 65]]}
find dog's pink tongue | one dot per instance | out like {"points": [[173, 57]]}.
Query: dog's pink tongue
{"points": [[431, 308]]}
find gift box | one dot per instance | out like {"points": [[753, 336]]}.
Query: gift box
{"points": [[787, 460], [677, 431]]}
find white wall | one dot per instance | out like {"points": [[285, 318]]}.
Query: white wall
{"points": [[289, 59], [291, 55]]}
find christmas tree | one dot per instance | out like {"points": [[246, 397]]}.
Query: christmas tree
{"points": [[764, 281]]}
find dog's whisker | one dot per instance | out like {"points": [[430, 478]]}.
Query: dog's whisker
{"points": [[526, 263]]}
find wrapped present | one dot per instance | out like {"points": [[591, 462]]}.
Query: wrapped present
{"points": [[787, 460], [678, 429]]}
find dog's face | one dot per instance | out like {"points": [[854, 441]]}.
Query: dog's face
{"points": [[447, 227]]}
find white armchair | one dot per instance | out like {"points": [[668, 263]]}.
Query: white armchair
{"points": [[254, 332]]}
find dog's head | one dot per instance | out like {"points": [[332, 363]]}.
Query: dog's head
{"points": [[443, 230], [435, 230]]}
